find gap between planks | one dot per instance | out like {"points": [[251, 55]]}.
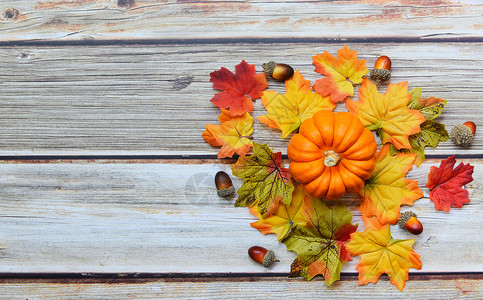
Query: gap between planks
{"points": [[201, 277], [185, 159], [243, 40]]}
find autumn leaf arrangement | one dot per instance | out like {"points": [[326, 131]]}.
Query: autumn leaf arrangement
{"points": [[332, 154]]}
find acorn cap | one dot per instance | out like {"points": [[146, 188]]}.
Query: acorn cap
{"points": [[380, 75], [269, 67], [462, 135], [404, 218], [269, 259], [226, 192]]}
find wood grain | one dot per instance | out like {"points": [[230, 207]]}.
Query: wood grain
{"points": [[457, 287], [154, 99], [164, 217], [147, 19]]}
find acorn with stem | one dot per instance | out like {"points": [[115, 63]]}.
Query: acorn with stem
{"points": [[262, 256]]}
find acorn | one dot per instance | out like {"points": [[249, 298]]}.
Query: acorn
{"points": [[262, 256], [462, 135], [280, 72], [382, 69], [410, 222], [224, 185]]}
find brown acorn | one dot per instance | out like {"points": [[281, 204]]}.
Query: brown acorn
{"points": [[262, 255], [410, 222], [382, 69], [280, 72], [462, 135], [224, 185]]}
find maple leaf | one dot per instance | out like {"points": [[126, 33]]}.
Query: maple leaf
{"points": [[286, 112], [432, 133], [387, 189], [320, 245], [285, 218], [446, 184], [232, 135], [388, 114], [341, 73], [380, 253], [239, 89], [265, 182]]}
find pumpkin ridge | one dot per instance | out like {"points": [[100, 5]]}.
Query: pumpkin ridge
{"points": [[336, 187], [316, 138]]}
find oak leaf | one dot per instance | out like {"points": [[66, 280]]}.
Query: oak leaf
{"points": [[430, 108], [285, 218], [265, 182], [432, 133], [342, 73], [286, 112], [387, 114], [446, 184], [232, 135], [239, 89], [320, 245], [387, 189]]}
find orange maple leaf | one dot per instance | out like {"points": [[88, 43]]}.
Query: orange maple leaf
{"points": [[285, 218], [341, 73], [380, 253], [387, 189], [286, 112], [388, 114], [232, 135], [239, 89]]}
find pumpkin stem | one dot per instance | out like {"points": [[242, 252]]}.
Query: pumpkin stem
{"points": [[331, 158]]}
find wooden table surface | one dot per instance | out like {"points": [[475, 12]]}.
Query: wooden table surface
{"points": [[107, 185]]}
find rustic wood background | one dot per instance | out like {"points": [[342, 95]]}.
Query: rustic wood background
{"points": [[107, 185]]}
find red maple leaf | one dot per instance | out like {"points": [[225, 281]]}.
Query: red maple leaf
{"points": [[239, 89], [446, 184]]}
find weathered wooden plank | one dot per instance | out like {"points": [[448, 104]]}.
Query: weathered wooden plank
{"points": [[164, 217], [443, 287], [138, 19], [154, 99]]}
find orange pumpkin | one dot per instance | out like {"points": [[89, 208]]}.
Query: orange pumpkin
{"points": [[332, 154]]}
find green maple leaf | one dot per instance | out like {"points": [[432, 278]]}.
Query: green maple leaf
{"points": [[265, 182], [432, 133], [320, 244]]}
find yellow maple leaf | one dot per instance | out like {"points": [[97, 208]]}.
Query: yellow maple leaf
{"points": [[387, 114], [387, 189], [380, 253], [285, 218], [232, 135], [342, 73], [286, 112]]}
